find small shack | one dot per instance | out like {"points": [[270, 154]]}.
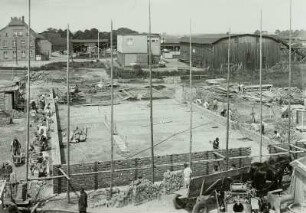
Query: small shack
{"points": [[9, 95]]}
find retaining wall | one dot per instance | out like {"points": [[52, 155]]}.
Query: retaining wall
{"points": [[129, 170]]}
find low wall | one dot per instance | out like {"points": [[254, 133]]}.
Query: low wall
{"points": [[55, 144], [97, 175]]}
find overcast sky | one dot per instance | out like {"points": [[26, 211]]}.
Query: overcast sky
{"points": [[170, 16]]}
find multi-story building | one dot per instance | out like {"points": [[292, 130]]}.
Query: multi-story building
{"points": [[14, 42], [133, 49]]}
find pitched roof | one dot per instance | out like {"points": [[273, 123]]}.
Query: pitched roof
{"points": [[203, 38]]}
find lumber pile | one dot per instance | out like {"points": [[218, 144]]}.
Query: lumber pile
{"points": [[173, 181]]}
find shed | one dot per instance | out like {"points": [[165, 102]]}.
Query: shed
{"points": [[9, 95]]}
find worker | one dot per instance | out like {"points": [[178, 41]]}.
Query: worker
{"points": [[233, 166], [206, 105], [238, 207], [216, 143], [13, 182], [83, 201], [15, 146], [187, 175], [215, 105], [216, 169]]}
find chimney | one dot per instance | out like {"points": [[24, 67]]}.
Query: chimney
{"points": [[22, 18]]}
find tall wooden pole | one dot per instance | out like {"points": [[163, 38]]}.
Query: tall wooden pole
{"points": [[112, 114], [289, 98], [227, 94], [98, 44], [28, 93], [191, 97], [260, 82], [151, 102], [68, 118]]}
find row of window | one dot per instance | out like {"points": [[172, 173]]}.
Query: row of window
{"points": [[6, 54], [16, 33], [130, 41], [5, 43]]}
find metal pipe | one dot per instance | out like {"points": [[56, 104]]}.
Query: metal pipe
{"points": [[68, 118], [227, 94], [112, 115], [151, 102], [191, 98], [28, 94], [260, 82]]}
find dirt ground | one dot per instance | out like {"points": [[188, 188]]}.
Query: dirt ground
{"points": [[171, 130]]}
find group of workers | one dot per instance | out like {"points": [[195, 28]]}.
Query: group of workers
{"points": [[42, 112]]}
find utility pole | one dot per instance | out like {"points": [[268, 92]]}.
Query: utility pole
{"points": [[289, 98], [227, 95], [28, 94], [98, 45], [68, 118], [260, 82], [112, 115], [151, 102], [191, 96]]}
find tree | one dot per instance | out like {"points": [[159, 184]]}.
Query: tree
{"points": [[257, 32], [277, 32]]}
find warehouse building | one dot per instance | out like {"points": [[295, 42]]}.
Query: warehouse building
{"points": [[14, 43], [211, 50], [133, 49]]}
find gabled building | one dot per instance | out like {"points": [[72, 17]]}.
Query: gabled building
{"points": [[134, 49], [14, 42]]}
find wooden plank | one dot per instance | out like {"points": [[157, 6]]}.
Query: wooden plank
{"points": [[280, 148], [297, 147], [218, 154], [62, 171]]}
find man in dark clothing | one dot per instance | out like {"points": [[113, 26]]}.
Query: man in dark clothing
{"points": [[216, 143], [83, 201], [15, 146]]}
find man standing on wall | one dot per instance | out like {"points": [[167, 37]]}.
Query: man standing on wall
{"points": [[83, 201], [187, 175]]}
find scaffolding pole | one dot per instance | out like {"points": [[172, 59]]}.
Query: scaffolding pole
{"points": [[98, 45], [151, 102], [227, 94], [28, 93], [260, 82], [68, 118], [289, 98], [191, 97], [112, 114]]}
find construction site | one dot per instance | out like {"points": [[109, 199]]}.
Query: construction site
{"points": [[214, 123]]}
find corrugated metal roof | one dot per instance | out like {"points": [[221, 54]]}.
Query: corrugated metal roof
{"points": [[88, 40]]}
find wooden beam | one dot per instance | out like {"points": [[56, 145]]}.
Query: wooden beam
{"points": [[45, 178], [297, 147], [63, 172], [218, 154], [280, 148]]}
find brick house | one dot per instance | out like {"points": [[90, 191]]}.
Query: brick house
{"points": [[14, 42]]}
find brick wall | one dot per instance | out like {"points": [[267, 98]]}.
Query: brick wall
{"points": [[129, 170]]}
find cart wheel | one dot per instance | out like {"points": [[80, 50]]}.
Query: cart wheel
{"points": [[178, 204]]}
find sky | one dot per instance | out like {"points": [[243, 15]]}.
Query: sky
{"points": [[168, 16]]}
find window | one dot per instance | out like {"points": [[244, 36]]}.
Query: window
{"points": [[31, 43], [20, 33], [6, 35], [23, 43], [4, 43], [130, 41], [14, 54], [23, 54], [5, 55], [14, 43]]}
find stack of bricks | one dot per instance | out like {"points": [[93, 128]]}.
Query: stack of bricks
{"points": [[129, 170]]}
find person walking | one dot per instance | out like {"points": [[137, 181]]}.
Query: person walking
{"points": [[83, 201], [187, 175]]}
